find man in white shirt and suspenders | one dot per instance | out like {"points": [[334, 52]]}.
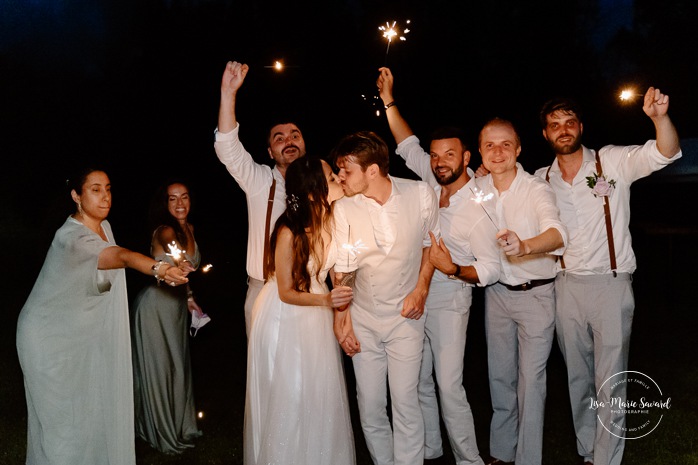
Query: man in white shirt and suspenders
{"points": [[264, 186], [594, 298]]}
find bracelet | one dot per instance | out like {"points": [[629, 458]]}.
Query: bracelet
{"points": [[156, 270], [391, 104]]}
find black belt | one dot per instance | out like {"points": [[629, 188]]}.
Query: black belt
{"points": [[529, 285]]}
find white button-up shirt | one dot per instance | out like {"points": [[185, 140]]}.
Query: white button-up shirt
{"points": [[385, 243], [528, 208], [465, 228], [255, 180], [587, 252]]}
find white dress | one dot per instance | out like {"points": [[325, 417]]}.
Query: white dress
{"points": [[296, 411]]}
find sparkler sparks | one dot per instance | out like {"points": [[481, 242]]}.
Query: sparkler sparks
{"points": [[627, 95], [206, 268], [480, 197], [175, 252], [389, 31], [355, 248], [279, 66]]}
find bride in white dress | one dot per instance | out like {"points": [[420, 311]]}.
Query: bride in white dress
{"points": [[296, 410]]}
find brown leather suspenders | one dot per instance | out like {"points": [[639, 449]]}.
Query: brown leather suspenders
{"points": [[607, 217]]}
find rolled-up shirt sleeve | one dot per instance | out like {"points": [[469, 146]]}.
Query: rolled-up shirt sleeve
{"points": [[548, 212], [430, 213], [346, 262], [483, 245]]}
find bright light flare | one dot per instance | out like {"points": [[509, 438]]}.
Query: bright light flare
{"points": [[278, 66], [355, 248], [393, 30], [206, 268], [626, 95], [175, 252], [200, 415]]}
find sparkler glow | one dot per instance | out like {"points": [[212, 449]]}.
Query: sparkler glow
{"points": [[175, 252], [354, 250], [392, 30], [206, 268], [279, 66], [628, 94], [480, 197]]}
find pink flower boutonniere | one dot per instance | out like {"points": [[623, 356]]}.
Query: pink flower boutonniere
{"points": [[600, 185]]}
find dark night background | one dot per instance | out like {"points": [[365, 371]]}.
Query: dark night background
{"points": [[133, 85]]}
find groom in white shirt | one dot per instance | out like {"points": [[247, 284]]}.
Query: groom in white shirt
{"points": [[382, 226]]}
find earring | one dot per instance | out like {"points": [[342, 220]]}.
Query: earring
{"points": [[80, 207]]}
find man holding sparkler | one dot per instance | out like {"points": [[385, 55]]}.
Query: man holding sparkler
{"points": [[595, 304], [466, 256], [264, 187], [383, 330], [520, 308]]}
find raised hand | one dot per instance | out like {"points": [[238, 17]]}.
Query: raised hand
{"points": [[656, 104], [233, 77]]}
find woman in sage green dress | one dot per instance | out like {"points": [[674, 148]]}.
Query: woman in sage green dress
{"points": [[73, 338], [164, 396]]}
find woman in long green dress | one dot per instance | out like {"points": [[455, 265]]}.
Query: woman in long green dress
{"points": [[164, 396], [73, 338]]}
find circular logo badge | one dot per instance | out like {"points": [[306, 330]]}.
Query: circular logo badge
{"points": [[630, 405]]}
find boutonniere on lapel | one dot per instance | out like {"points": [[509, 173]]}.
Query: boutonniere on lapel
{"points": [[600, 185]]}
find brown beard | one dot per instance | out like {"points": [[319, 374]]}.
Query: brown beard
{"points": [[566, 149]]}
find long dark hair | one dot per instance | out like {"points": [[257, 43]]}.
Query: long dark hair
{"points": [[160, 215], [308, 213]]}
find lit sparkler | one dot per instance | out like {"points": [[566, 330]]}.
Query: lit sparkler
{"points": [[480, 197], [390, 31], [277, 66], [353, 250], [206, 268], [627, 95], [175, 252]]}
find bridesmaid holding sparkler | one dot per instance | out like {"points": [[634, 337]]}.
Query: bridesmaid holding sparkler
{"points": [[164, 398]]}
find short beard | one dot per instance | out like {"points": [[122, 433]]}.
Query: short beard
{"points": [[566, 149], [449, 179]]}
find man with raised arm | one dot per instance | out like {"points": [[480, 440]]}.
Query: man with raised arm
{"points": [[466, 256], [264, 186], [595, 304]]}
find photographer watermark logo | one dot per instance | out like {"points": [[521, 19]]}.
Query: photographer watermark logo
{"points": [[630, 405]]}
